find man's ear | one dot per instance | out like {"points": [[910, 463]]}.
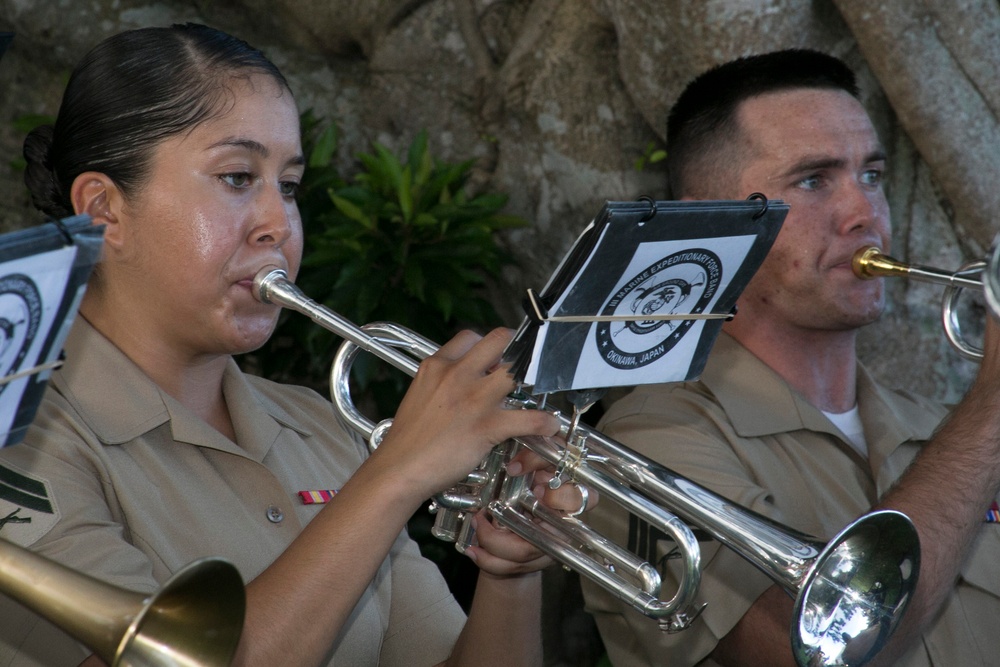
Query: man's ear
{"points": [[97, 195]]}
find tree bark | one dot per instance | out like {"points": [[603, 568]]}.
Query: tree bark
{"points": [[935, 59]]}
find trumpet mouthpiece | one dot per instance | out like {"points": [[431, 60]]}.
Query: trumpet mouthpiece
{"points": [[263, 280], [870, 263]]}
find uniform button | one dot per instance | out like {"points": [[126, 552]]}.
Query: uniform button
{"points": [[274, 514]]}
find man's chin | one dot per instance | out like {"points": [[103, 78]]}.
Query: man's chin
{"points": [[862, 318]]}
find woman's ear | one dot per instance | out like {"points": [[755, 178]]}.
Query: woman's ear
{"points": [[97, 195]]}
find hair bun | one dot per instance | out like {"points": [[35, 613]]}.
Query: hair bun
{"points": [[39, 176]]}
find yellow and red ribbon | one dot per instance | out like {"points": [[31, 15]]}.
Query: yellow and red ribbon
{"points": [[317, 497]]}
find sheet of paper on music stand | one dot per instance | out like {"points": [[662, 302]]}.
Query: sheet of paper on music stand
{"points": [[43, 274], [614, 308]]}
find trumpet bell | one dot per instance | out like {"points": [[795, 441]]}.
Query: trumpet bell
{"points": [[199, 612], [194, 620], [877, 560]]}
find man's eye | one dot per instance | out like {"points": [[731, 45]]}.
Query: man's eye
{"points": [[810, 182], [872, 177], [237, 180]]}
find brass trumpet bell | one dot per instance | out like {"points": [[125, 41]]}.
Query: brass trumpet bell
{"points": [[193, 620]]}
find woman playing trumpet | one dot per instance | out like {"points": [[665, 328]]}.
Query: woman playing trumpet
{"points": [[152, 446]]}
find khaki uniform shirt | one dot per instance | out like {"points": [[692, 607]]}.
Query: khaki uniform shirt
{"points": [[118, 480], [742, 432]]}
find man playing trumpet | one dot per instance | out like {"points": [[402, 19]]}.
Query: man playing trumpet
{"points": [[784, 419]]}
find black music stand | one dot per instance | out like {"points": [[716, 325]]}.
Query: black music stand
{"points": [[43, 275], [641, 296]]}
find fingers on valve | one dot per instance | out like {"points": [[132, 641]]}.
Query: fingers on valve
{"points": [[504, 544], [584, 500], [572, 499]]}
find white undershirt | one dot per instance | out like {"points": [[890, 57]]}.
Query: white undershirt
{"points": [[849, 424]]}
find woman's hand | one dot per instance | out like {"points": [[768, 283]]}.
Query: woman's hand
{"points": [[454, 413], [500, 552]]}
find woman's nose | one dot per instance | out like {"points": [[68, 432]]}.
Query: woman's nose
{"points": [[276, 220]]}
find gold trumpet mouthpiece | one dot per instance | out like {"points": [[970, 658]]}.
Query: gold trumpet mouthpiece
{"points": [[869, 263]]}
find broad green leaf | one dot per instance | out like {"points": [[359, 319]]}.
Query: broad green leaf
{"points": [[326, 146], [404, 192], [424, 170], [413, 278], [444, 300], [418, 154], [389, 166], [346, 207]]}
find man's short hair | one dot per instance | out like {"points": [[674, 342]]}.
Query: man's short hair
{"points": [[703, 119]]}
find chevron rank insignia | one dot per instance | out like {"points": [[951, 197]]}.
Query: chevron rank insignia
{"points": [[27, 509]]}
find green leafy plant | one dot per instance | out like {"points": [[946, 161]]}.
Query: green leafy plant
{"points": [[651, 155], [400, 240]]}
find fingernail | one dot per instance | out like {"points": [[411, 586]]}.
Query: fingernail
{"points": [[514, 468]]}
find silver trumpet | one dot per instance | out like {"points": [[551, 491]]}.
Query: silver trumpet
{"points": [[850, 592]]}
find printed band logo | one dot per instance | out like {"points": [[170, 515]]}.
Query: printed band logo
{"points": [[20, 315], [684, 278]]}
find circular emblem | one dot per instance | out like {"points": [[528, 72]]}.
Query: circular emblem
{"points": [[20, 315], [689, 278]]}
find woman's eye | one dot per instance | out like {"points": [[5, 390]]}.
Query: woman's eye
{"points": [[238, 180], [289, 188]]}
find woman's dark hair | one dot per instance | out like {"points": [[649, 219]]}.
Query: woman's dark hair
{"points": [[702, 121], [131, 92]]}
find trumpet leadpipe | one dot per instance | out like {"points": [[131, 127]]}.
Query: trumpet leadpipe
{"points": [[980, 276], [870, 262], [272, 285]]}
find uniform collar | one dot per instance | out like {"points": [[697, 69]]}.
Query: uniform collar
{"points": [[120, 403], [759, 402]]}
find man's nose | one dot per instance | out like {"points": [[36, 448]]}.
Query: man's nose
{"points": [[862, 208]]}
